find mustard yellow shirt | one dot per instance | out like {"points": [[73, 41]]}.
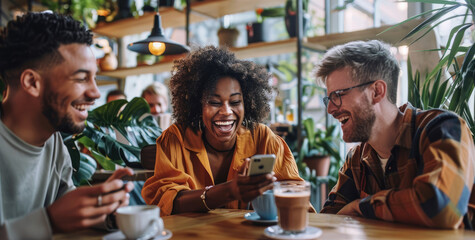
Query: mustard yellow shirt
{"points": [[182, 163]]}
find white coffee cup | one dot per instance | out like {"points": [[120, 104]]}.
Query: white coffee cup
{"points": [[142, 221]]}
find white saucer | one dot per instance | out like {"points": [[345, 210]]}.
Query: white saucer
{"points": [[254, 217], [163, 235], [275, 232]]}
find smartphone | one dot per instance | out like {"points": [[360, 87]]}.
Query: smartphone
{"points": [[261, 164], [120, 189]]}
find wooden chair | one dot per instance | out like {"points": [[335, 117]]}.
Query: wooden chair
{"points": [[148, 155]]}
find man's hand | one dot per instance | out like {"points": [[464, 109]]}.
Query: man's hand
{"points": [[352, 209], [88, 206], [247, 188]]}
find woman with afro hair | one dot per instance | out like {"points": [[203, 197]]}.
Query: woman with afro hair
{"points": [[218, 104]]}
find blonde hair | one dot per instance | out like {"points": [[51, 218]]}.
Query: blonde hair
{"points": [[156, 88], [368, 61]]}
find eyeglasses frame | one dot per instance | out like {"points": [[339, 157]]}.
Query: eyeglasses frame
{"points": [[328, 99]]}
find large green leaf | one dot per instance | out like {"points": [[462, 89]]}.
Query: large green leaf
{"points": [[83, 165], [86, 170], [426, 23], [129, 119]]}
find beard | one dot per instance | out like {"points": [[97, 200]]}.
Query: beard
{"points": [[363, 118], [51, 110]]}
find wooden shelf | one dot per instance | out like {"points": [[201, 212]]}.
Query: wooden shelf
{"points": [[219, 8], [262, 49], [251, 51], [393, 36], [170, 16], [124, 72]]}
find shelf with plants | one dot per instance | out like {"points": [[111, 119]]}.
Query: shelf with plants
{"points": [[251, 51], [219, 8], [262, 49], [171, 17]]}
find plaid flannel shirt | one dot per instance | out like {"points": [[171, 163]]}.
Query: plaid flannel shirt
{"points": [[427, 180]]}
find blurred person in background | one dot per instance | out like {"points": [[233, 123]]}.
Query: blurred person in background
{"points": [[156, 95], [115, 95]]}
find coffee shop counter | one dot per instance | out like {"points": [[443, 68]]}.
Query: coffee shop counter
{"points": [[231, 224]]}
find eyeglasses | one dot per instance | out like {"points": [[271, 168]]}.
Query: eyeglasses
{"points": [[335, 96]]}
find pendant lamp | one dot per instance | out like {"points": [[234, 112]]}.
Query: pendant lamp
{"points": [[156, 43]]}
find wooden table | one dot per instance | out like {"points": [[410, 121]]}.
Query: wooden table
{"points": [[230, 224]]}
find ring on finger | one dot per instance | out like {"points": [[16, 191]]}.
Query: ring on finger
{"points": [[99, 200]]}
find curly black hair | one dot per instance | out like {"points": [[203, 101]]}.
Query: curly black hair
{"points": [[195, 77], [32, 41]]}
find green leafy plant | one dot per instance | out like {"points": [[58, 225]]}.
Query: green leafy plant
{"points": [[435, 91], [344, 5], [262, 13], [130, 119], [320, 142], [291, 6], [83, 165], [82, 10]]}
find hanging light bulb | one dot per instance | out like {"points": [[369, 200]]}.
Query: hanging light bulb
{"points": [[156, 48], [156, 43]]}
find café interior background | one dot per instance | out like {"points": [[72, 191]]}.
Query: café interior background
{"points": [[361, 14]]}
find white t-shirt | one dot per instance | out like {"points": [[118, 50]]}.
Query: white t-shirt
{"points": [[384, 161]]}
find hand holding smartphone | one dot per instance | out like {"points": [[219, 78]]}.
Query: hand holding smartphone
{"points": [[261, 164]]}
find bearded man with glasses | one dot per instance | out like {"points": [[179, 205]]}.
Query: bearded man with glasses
{"points": [[411, 166]]}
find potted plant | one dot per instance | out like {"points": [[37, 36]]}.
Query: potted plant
{"points": [[435, 91], [319, 160], [146, 59], [130, 119], [255, 30], [319, 147], [84, 11], [289, 12], [291, 17], [228, 36]]}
